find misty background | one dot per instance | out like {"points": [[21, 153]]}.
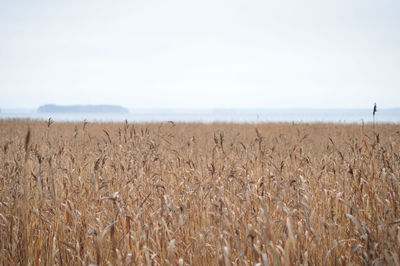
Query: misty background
{"points": [[200, 54]]}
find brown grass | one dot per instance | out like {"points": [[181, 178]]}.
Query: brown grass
{"points": [[156, 194]]}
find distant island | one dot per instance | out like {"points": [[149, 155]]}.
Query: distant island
{"points": [[52, 108]]}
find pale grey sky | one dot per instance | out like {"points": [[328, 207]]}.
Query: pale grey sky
{"points": [[201, 54]]}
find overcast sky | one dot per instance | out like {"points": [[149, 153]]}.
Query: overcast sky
{"points": [[201, 54]]}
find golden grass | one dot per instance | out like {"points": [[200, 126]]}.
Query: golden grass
{"points": [[156, 194]]}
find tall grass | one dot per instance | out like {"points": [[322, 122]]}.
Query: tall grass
{"points": [[156, 194]]}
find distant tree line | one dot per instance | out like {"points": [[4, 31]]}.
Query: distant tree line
{"points": [[53, 108]]}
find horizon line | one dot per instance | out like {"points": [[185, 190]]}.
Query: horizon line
{"points": [[212, 108]]}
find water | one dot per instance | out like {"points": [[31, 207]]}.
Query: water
{"points": [[217, 115]]}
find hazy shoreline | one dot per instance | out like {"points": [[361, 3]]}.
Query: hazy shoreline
{"points": [[103, 108], [215, 115]]}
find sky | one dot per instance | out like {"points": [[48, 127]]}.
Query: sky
{"points": [[200, 54]]}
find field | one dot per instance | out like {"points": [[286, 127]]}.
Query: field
{"points": [[199, 194]]}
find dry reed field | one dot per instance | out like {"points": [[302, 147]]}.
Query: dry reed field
{"points": [[199, 194]]}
